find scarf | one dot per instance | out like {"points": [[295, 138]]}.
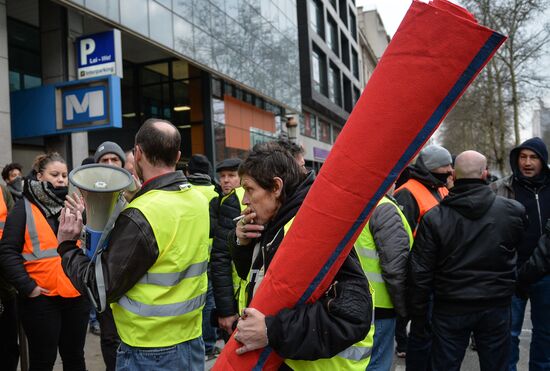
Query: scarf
{"points": [[45, 196]]}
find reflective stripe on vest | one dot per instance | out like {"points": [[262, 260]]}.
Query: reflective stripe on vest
{"points": [[165, 306], [355, 357], [42, 262], [370, 261], [423, 196], [3, 212]]}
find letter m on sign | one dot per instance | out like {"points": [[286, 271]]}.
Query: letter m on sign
{"points": [[82, 106]]}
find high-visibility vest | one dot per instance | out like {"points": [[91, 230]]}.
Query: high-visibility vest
{"points": [[355, 357], [368, 255], [424, 198], [3, 212], [164, 307], [208, 191], [239, 284], [42, 262]]}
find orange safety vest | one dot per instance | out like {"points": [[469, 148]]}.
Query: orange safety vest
{"points": [[42, 262], [424, 198], [3, 212]]}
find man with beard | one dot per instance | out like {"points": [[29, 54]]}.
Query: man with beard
{"points": [[529, 184]]}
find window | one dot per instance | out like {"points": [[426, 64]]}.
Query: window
{"points": [[348, 103], [345, 49], [356, 95], [324, 131], [354, 63], [332, 34], [334, 91], [308, 126], [335, 132], [24, 49], [343, 10], [319, 71], [352, 24], [316, 17]]}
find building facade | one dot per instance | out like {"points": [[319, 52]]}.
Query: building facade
{"points": [[224, 72]]}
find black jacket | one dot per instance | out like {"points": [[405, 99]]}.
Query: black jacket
{"points": [[532, 193], [406, 199], [343, 316], [464, 251], [538, 264], [131, 251], [222, 213], [6, 290]]}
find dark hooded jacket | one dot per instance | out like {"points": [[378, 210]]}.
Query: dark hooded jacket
{"points": [[465, 251], [533, 193], [406, 199], [343, 315]]}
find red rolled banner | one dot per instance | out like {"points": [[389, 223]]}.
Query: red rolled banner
{"points": [[435, 54]]}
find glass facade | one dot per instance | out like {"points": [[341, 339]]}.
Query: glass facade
{"points": [[250, 41]]}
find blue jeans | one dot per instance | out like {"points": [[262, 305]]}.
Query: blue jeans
{"points": [[451, 336], [188, 355], [209, 335], [382, 350], [539, 352]]}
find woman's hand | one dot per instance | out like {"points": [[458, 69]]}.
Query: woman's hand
{"points": [[251, 331], [70, 225], [37, 291], [246, 229], [74, 203]]}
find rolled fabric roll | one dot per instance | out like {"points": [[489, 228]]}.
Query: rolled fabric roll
{"points": [[435, 54]]}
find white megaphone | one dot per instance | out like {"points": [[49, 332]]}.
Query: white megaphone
{"points": [[100, 185]]}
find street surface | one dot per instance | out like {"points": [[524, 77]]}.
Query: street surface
{"points": [[94, 361]]}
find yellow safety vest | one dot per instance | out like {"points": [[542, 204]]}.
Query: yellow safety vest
{"points": [[165, 307], [366, 249], [208, 191], [356, 357], [239, 285]]}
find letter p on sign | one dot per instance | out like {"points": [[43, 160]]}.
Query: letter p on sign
{"points": [[87, 47]]}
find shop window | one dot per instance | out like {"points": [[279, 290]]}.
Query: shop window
{"points": [[324, 131], [308, 127]]}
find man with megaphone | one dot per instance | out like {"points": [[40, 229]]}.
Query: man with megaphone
{"points": [[154, 264]]}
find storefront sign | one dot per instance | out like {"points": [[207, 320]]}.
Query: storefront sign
{"points": [[79, 105], [320, 154], [99, 54]]}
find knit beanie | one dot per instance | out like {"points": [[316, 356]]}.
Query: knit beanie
{"points": [[199, 164], [109, 147], [434, 156]]}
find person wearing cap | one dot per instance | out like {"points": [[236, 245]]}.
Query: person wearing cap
{"points": [[198, 174], [224, 209], [425, 188], [110, 153], [464, 255], [529, 184]]}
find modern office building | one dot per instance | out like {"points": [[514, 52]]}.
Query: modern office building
{"points": [[334, 56], [226, 73], [541, 121]]}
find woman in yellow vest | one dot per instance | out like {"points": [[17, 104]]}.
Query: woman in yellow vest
{"points": [[52, 312], [328, 334]]}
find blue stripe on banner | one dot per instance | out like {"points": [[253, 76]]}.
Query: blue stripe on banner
{"points": [[484, 53]]}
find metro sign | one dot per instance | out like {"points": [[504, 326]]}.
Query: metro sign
{"points": [[84, 105]]}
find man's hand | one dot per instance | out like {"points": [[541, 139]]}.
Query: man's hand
{"points": [[37, 291], [134, 188], [70, 225], [226, 323], [74, 203], [251, 331], [246, 228]]}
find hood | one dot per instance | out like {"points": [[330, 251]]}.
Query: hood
{"points": [[470, 197], [534, 144], [199, 179]]}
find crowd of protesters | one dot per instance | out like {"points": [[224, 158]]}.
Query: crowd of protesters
{"points": [[444, 250]]}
